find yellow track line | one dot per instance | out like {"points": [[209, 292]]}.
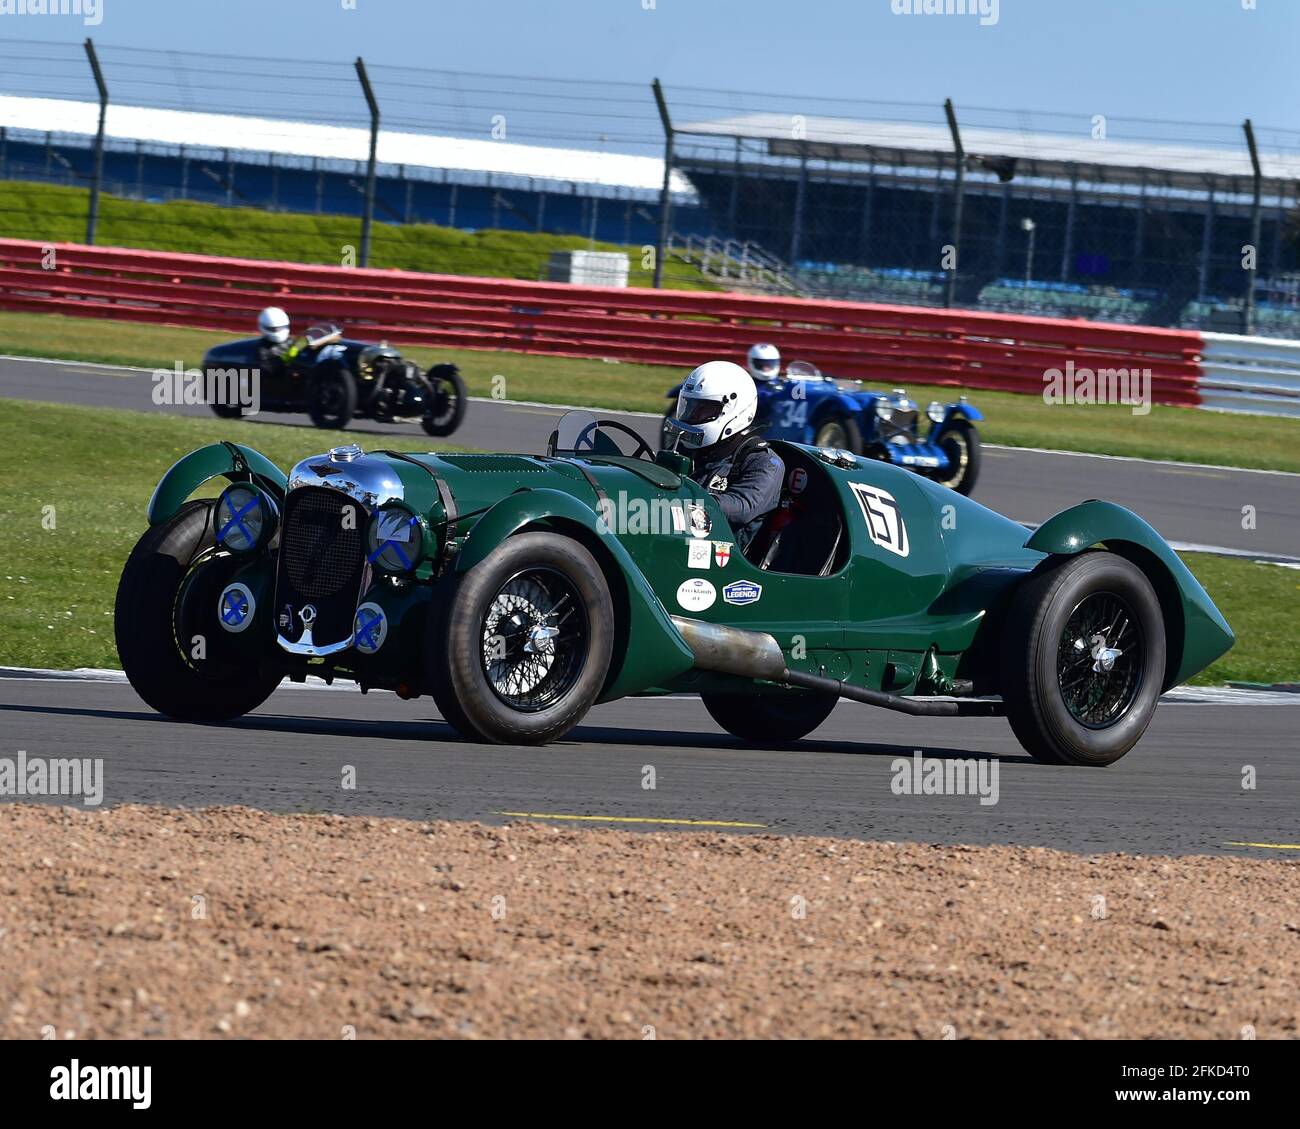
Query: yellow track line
{"points": [[628, 819], [1270, 846]]}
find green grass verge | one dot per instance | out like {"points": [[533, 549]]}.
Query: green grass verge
{"points": [[1259, 602], [58, 214], [98, 468], [1016, 420]]}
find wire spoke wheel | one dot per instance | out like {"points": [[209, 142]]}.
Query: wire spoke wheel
{"points": [[534, 639], [1099, 660]]}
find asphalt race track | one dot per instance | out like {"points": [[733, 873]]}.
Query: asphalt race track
{"points": [[1179, 792], [1192, 505]]}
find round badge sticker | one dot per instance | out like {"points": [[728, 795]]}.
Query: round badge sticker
{"points": [[237, 607], [370, 628], [696, 594]]}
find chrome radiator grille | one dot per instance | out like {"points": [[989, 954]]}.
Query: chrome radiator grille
{"points": [[321, 546]]}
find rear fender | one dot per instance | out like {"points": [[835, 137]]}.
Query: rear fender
{"points": [[1196, 632], [659, 653], [228, 460]]}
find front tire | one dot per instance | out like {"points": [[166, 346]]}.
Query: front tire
{"points": [[764, 718], [1083, 659], [146, 628], [961, 443], [520, 646], [450, 399], [332, 398]]}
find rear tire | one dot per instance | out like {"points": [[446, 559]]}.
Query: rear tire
{"points": [[841, 432], [494, 671], [144, 622], [769, 717], [332, 398], [1065, 704], [961, 443], [449, 409]]}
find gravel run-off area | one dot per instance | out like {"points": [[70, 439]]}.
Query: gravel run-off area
{"points": [[228, 922]]}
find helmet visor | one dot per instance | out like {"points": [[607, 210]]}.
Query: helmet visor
{"points": [[765, 366], [699, 411]]}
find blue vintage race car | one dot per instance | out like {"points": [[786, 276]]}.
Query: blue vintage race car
{"points": [[803, 406]]}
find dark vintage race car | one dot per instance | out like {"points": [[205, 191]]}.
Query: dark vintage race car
{"points": [[519, 590], [335, 380], [804, 406]]}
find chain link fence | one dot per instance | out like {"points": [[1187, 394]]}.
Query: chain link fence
{"points": [[1125, 220]]}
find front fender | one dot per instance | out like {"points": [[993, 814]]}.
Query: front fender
{"points": [[962, 411], [230, 460], [1196, 631], [652, 650]]}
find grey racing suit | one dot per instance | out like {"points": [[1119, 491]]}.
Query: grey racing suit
{"points": [[746, 481]]}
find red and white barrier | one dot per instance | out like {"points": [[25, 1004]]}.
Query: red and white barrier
{"points": [[890, 344]]}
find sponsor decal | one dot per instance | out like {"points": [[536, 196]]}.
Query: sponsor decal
{"points": [[700, 521], [717, 484], [697, 554], [721, 553], [742, 592], [885, 523], [696, 594], [679, 518]]}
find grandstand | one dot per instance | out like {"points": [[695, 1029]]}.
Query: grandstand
{"points": [[1129, 221]]}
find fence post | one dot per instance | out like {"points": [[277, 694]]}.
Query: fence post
{"points": [[1248, 309], [665, 196], [959, 193], [368, 212], [97, 176]]}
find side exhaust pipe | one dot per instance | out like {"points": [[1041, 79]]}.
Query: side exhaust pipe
{"points": [[755, 654]]}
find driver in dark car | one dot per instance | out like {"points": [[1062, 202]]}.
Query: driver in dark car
{"points": [[714, 422], [275, 349]]}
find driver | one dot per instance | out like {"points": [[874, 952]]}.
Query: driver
{"points": [[764, 362], [274, 350], [715, 423]]}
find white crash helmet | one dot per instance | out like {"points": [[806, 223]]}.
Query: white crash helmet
{"points": [[716, 401], [764, 362], [273, 323]]}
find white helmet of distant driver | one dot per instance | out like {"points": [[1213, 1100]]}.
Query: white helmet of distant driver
{"points": [[716, 401], [764, 362], [273, 323]]}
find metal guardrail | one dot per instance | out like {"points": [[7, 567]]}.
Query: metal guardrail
{"points": [[880, 343], [1260, 375]]}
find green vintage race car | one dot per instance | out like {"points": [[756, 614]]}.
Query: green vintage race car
{"points": [[520, 590]]}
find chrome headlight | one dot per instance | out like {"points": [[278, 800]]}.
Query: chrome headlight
{"points": [[397, 539], [246, 517], [936, 411], [885, 412]]}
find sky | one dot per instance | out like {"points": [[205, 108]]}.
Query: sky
{"points": [[1216, 61]]}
